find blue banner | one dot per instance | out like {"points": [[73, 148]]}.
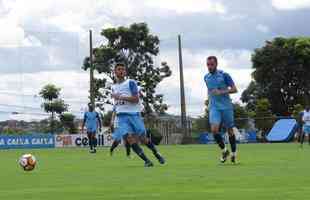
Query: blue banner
{"points": [[27, 141]]}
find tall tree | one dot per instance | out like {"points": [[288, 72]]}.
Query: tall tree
{"points": [[52, 103], [67, 120], [136, 47], [264, 118], [281, 74], [241, 116]]}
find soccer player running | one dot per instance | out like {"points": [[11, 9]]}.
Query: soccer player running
{"points": [[130, 125], [92, 121], [306, 125], [220, 85]]}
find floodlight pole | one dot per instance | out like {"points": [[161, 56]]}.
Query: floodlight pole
{"points": [[182, 92], [91, 70]]}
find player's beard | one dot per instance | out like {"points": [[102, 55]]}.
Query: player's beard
{"points": [[120, 79], [212, 70]]}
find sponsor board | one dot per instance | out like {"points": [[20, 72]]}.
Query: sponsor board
{"points": [[27, 141], [81, 140]]}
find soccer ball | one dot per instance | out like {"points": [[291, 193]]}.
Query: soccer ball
{"points": [[27, 162]]}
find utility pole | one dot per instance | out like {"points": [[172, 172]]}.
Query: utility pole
{"points": [[91, 70], [183, 105]]}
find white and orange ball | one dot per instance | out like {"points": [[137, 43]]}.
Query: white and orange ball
{"points": [[27, 162]]}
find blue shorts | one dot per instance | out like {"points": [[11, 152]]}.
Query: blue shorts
{"points": [[91, 131], [306, 129], [128, 124], [226, 117]]}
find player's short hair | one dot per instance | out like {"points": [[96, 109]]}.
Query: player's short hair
{"points": [[90, 106], [119, 65], [212, 58]]}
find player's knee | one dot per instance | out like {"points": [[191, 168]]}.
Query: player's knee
{"points": [[130, 139], [214, 129], [230, 131], [144, 139]]}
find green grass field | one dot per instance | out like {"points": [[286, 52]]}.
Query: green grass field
{"points": [[265, 171]]}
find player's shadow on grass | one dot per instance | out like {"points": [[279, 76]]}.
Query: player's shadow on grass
{"points": [[231, 164]]}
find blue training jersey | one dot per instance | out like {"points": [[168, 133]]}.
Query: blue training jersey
{"points": [[91, 121], [219, 80]]}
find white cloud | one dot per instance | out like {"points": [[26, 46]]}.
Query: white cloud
{"points": [[188, 6], [12, 34], [290, 4], [262, 28], [21, 90]]}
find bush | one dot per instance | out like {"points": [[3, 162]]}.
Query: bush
{"points": [[155, 135]]}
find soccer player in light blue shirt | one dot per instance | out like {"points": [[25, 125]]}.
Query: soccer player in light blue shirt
{"points": [[220, 85], [92, 121]]}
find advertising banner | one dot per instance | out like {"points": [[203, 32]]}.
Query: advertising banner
{"points": [[81, 140], [27, 141]]}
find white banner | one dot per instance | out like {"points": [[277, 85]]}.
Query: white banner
{"points": [[81, 140]]}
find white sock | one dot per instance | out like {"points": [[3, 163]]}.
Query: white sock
{"points": [[225, 149], [234, 153]]}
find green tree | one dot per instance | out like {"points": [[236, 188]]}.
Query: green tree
{"points": [[281, 74], [202, 124], [52, 103], [251, 94], [67, 120], [136, 48], [106, 119], [264, 119], [241, 116]]}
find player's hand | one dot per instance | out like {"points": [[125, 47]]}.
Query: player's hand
{"points": [[219, 92], [116, 96], [100, 129], [216, 92]]}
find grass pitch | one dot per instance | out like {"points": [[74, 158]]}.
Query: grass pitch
{"points": [[265, 171]]}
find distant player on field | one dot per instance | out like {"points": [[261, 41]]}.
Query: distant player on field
{"points": [[128, 110], [306, 125], [220, 85], [92, 121]]}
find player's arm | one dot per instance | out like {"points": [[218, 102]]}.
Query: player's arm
{"points": [[134, 98], [131, 99], [231, 87], [230, 90]]}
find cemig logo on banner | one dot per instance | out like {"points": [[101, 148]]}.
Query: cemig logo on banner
{"points": [[83, 140], [64, 140]]}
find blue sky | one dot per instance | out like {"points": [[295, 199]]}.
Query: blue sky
{"points": [[45, 41]]}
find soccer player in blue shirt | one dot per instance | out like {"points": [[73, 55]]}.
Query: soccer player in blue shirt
{"points": [[220, 85], [130, 125], [92, 121]]}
